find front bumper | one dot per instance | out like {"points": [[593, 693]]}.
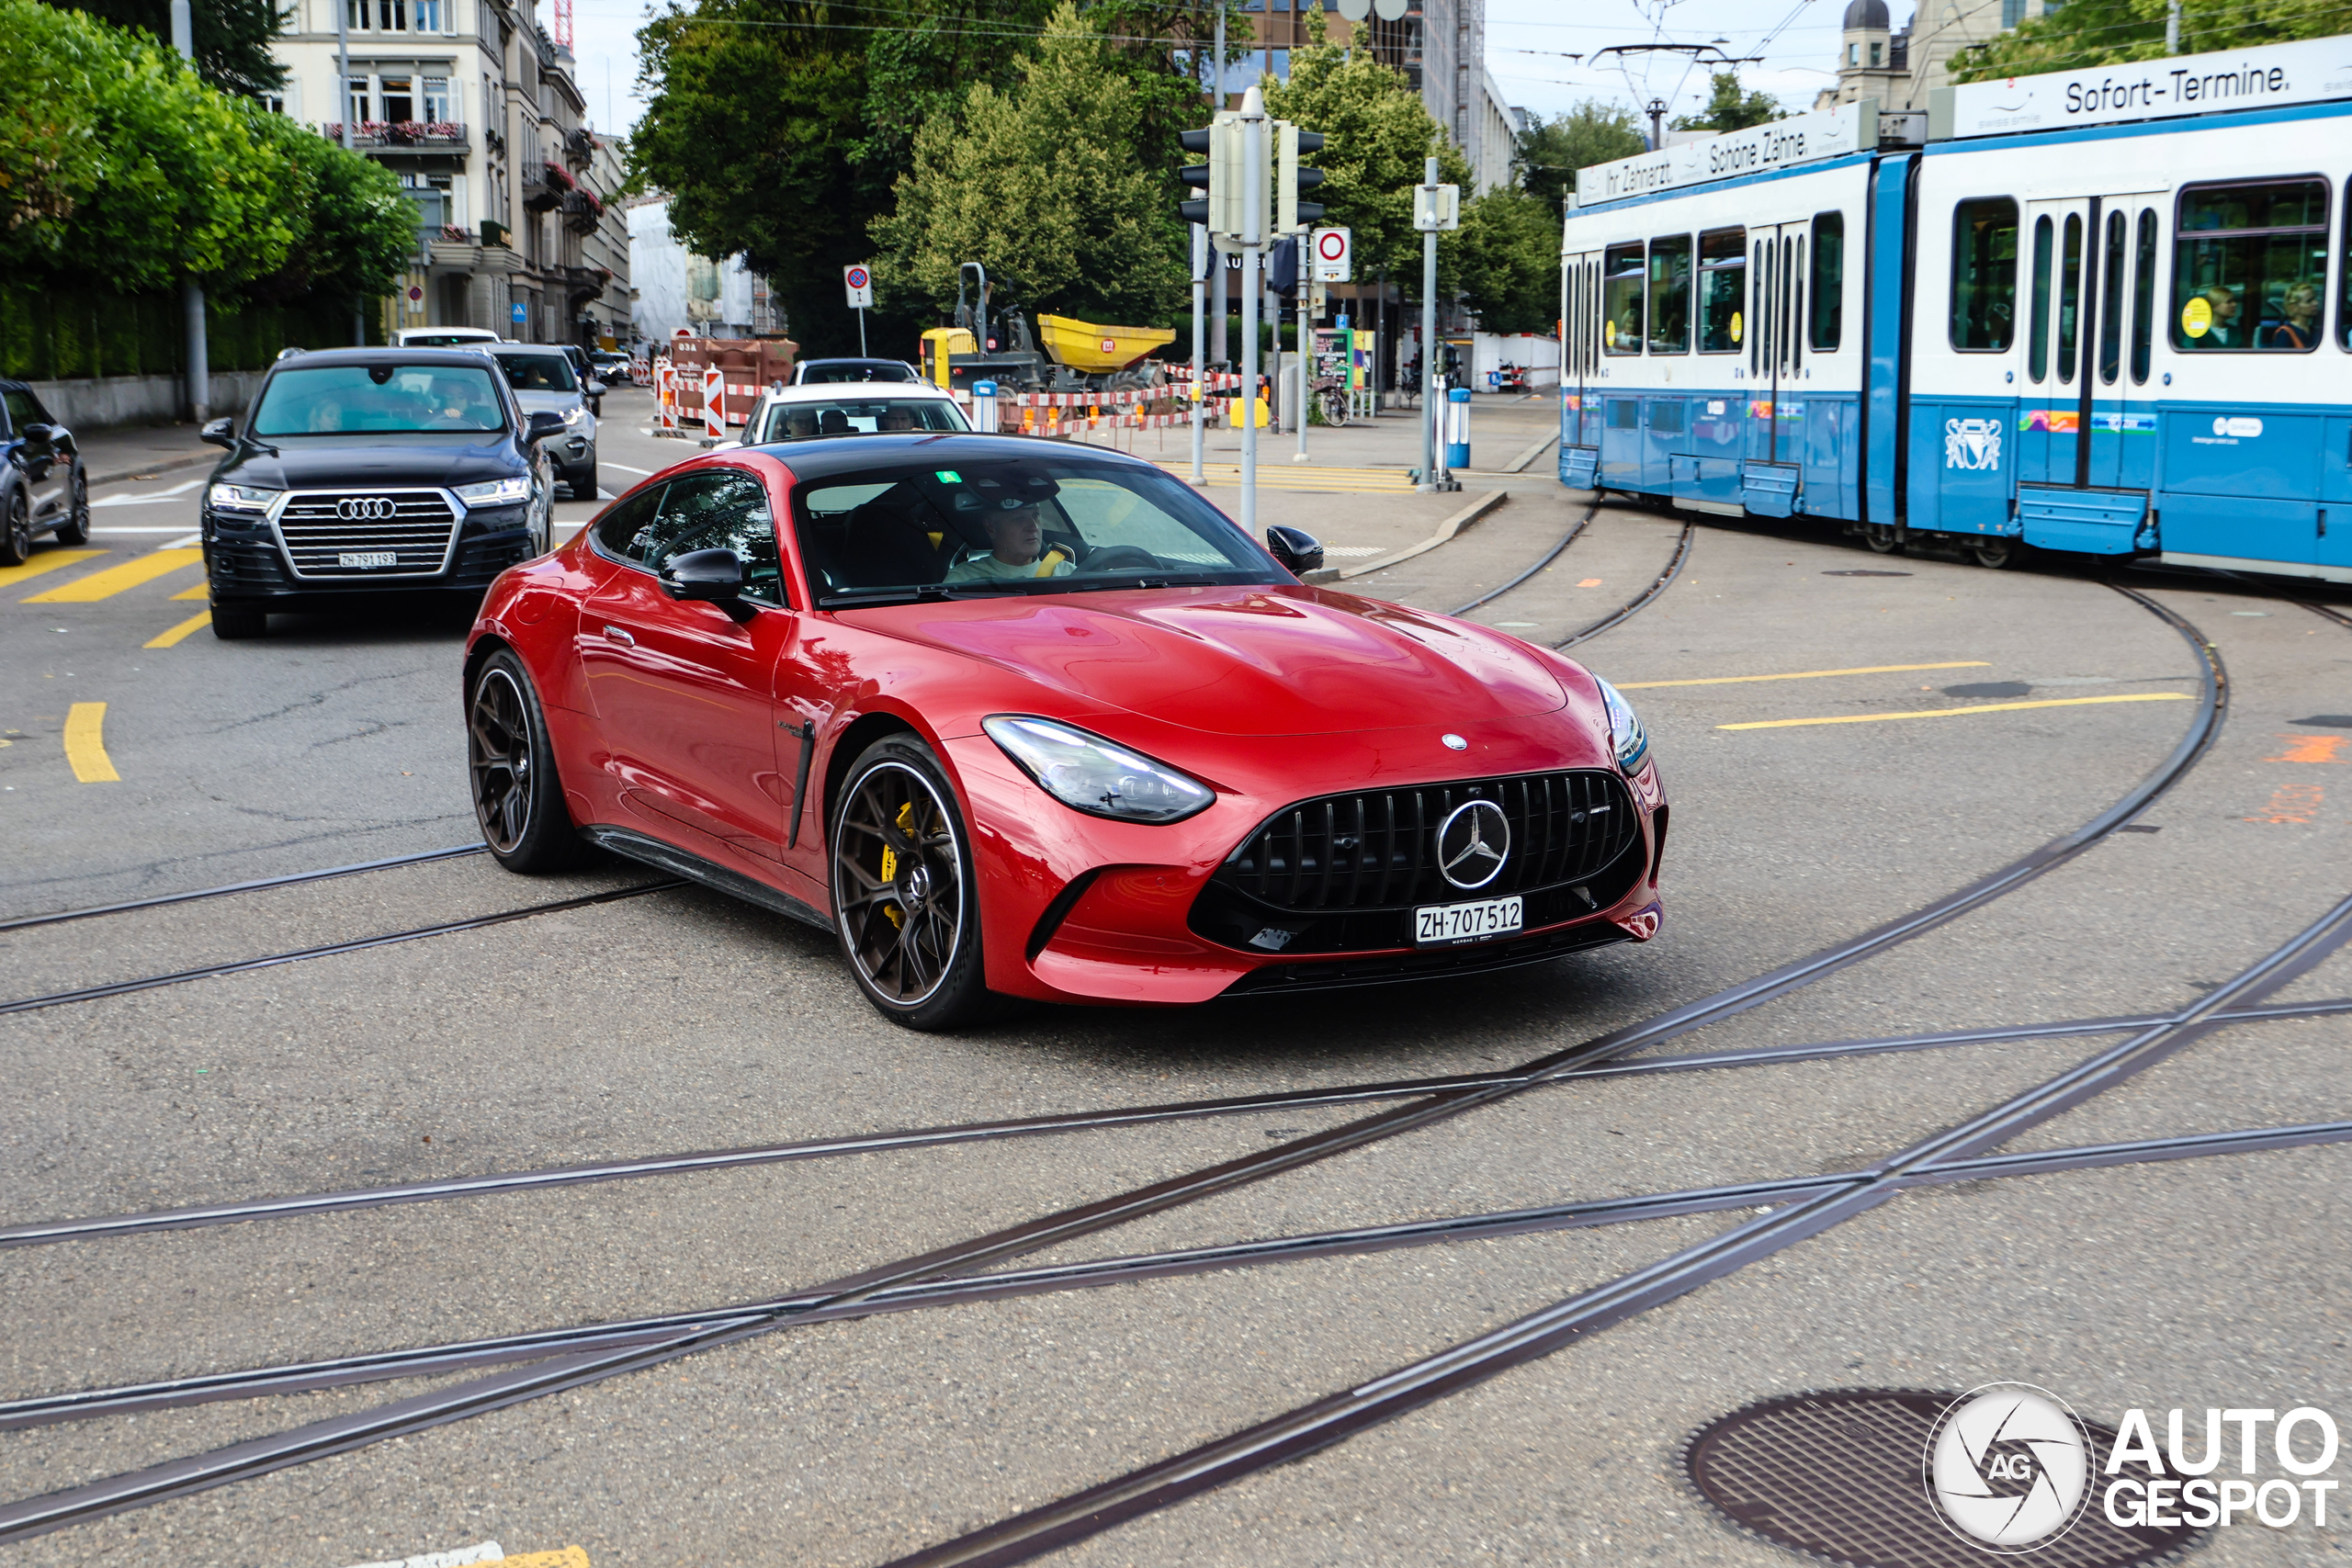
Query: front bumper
{"points": [[1078, 910], [244, 562]]}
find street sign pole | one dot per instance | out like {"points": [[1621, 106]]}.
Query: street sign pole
{"points": [[1253, 240], [857, 282], [1200, 254], [1428, 343], [199, 371], [860, 331]]}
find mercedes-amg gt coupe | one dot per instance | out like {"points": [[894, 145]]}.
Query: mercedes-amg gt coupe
{"points": [[1017, 718]]}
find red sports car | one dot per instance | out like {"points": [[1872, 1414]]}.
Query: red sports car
{"points": [[1017, 718]]}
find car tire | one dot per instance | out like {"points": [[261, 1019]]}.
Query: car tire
{"points": [[908, 923], [75, 529], [583, 479], [16, 529], [239, 623], [511, 772]]}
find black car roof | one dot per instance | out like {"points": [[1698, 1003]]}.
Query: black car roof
{"points": [[825, 458], [331, 358]]}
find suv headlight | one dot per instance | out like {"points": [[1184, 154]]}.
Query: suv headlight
{"points": [[1626, 735], [575, 413], [239, 498], [496, 492], [1089, 773]]}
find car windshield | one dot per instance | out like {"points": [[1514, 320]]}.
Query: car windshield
{"points": [[352, 400], [804, 421], [853, 370], [1052, 525], [538, 372], [442, 340]]}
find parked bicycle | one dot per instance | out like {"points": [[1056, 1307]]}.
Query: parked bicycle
{"points": [[1330, 394]]}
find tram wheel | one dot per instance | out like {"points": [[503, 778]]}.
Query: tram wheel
{"points": [[1996, 553], [1882, 537]]}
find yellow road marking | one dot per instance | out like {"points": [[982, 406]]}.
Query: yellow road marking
{"points": [[569, 1557], [172, 638], [1222, 476], [1948, 713], [115, 579], [200, 591], [12, 575], [1804, 674], [85, 748]]}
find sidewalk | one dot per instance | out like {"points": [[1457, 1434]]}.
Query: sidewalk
{"points": [[134, 452]]}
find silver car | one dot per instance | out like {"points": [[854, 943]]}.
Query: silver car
{"points": [[545, 382]]}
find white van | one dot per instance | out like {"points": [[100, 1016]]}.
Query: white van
{"points": [[443, 338]]}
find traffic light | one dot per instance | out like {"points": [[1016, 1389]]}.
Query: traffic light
{"points": [[1200, 177], [1221, 178], [1293, 214]]}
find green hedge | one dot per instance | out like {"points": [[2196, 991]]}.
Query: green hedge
{"points": [[61, 334]]}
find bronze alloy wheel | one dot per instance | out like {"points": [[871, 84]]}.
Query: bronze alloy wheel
{"points": [[898, 890], [498, 752]]}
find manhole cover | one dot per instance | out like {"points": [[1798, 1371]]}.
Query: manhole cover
{"points": [[1839, 1476], [1858, 571]]}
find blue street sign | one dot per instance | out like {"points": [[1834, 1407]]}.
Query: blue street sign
{"points": [[1343, 321], [521, 311]]}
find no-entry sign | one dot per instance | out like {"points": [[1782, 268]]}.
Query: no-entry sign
{"points": [[1334, 254], [859, 282]]}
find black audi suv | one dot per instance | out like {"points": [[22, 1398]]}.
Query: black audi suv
{"points": [[370, 470]]}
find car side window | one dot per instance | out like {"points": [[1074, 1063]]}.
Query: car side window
{"points": [[721, 508], [22, 410], [622, 533]]}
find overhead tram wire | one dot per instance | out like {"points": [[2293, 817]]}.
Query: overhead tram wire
{"points": [[291, 879], [319, 1439]]}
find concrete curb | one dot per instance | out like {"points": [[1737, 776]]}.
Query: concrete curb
{"points": [[1445, 530], [1518, 464], [167, 466]]}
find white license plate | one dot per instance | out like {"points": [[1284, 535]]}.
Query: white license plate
{"points": [[1445, 925], [368, 558]]}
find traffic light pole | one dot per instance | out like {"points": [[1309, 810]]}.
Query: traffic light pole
{"points": [[1201, 255], [199, 367], [1428, 345], [1253, 240]]}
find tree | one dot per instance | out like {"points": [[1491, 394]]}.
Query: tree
{"points": [[1730, 109], [1550, 153], [355, 232], [1510, 260], [2110, 32], [1041, 183], [231, 37]]}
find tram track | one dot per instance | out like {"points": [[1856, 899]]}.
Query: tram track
{"points": [[292, 879], [1641, 600], [568, 1370]]}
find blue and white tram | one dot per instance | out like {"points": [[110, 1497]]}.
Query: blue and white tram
{"points": [[2104, 311]]}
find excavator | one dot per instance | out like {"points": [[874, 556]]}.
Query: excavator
{"points": [[990, 344]]}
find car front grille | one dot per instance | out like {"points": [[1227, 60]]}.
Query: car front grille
{"points": [[1377, 849], [417, 533]]}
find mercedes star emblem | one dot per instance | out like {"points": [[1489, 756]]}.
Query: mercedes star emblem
{"points": [[1472, 844], [1454, 743]]}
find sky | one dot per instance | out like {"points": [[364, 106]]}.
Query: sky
{"points": [[1527, 41]]}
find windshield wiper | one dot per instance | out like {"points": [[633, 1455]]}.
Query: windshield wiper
{"points": [[977, 589]]}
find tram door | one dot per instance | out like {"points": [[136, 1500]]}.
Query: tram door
{"points": [[1776, 273], [2086, 413], [1579, 358]]}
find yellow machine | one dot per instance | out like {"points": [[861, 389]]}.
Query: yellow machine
{"points": [[1097, 350], [938, 346]]}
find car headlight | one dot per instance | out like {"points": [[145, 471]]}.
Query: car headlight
{"points": [[575, 413], [496, 492], [239, 498], [1626, 737], [1089, 773]]}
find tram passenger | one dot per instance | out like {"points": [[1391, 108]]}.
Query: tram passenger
{"points": [[2300, 329], [2223, 333]]}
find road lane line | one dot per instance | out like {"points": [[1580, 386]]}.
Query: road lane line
{"points": [[114, 579], [12, 575], [626, 469], [85, 747], [1948, 713], [200, 591], [172, 638], [1802, 675]]}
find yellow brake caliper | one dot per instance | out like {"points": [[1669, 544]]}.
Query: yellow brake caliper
{"points": [[890, 857]]}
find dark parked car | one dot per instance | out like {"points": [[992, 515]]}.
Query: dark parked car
{"points": [[366, 470], [43, 487]]}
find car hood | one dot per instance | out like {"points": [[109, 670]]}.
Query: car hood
{"points": [[1254, 661], [338, 462]]}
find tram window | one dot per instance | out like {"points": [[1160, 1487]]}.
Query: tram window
{"points": [[2110, 322], [1796, 308], [1670, 294], [1983, 274], [2344, 305], [2037, 346], [1756, 328], [2248, 263], [1620, 305], [1828, 280], [2070, 297], [2144, 297], [1723, 290]]}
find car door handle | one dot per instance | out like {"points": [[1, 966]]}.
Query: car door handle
{"points": [[613, 634]]}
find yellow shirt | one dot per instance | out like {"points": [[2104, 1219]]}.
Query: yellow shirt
{"points": [[985, 566]]}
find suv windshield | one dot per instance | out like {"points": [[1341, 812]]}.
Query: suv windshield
{"points": [[855, 416], [538, 372], [351, 399], [1030, 526]]}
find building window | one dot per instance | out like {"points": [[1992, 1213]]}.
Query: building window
{"points": [[1878, 52], [429, 15], [1853, 54], [357, 101], [1281, 63], [400, 103], [2013, 13], [392, 15], [1983, 274], [436, 99]]}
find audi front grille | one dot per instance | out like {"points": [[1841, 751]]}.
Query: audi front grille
{"points": [[319, 528]]}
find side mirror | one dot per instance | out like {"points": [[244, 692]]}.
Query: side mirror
{"points": [[537, 427], [595, 388], [218, 433], [714, 576], [38, 432], [1299, 551]]}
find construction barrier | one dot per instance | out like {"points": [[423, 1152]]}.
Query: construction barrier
{"points": [[665, 388], [727, 375]]}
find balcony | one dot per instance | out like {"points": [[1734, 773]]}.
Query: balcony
{"points": [[583, 211], [579, 148], [435, 136]]}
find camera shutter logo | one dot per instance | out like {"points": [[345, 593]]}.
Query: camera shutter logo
{"points": [[2008, 1468], [364, 508]]}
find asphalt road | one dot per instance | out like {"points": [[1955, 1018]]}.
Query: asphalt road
{"points": [[1976, 715]]}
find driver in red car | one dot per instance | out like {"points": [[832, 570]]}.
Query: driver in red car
{"points": [[1016, 534]]}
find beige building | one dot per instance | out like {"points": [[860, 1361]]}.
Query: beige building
{"points": [[474, 106], [1901, 68]]}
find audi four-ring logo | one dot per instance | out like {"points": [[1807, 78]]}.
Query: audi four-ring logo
{"points": [[364, 508]]}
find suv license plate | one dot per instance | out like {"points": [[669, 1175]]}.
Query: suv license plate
{"points": [[1447, 925], [368, 558]]}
